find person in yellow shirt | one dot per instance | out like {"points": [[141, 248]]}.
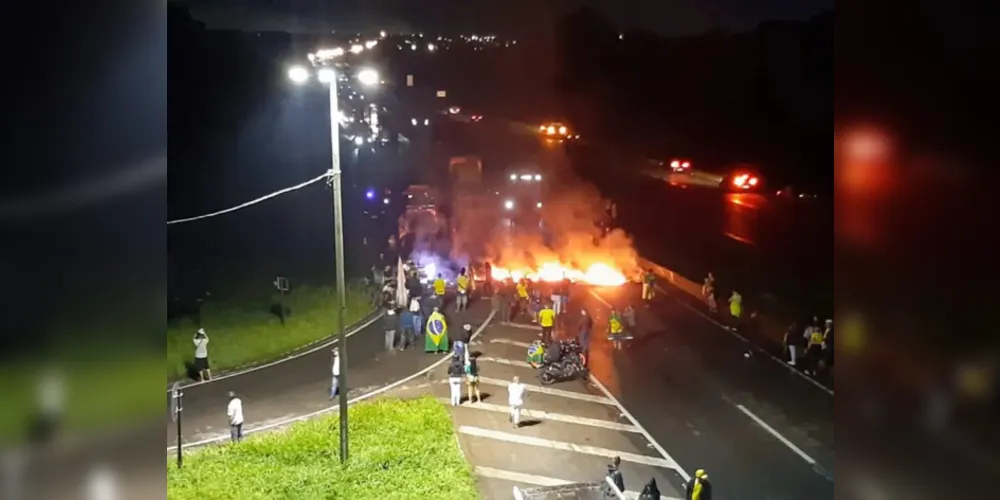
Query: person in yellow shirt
{"points": [[699, 488], [462, 283], [547, 320], [440, 286], [615, 330], [522, 298]]}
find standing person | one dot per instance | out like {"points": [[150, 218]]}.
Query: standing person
{"points": [[713, 305], [791, 343], [547, 320], [699, 488], [556, 297], [615, 473], [648, 286], [650, 491], [334, 390], [391, 325], [201, 355], [735, 309], [456, 370], [828, 344], [708, 285], [584, 330], [235, 413], [814, 349], [615, 329], [472, 377], [462, 283], [440, 286], [406, 328], [522, 298], [488, 286], [417, 316], [515, 398], [437, 333], [628, 318]]}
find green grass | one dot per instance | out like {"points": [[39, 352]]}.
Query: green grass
{"points": [[246, 332], [400, 449]]}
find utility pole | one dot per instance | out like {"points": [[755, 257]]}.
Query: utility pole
{"points": [[177, 405], [338, 234]]}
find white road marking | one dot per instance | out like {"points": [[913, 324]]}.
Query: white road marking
{"points": [[508, 362], [360, 398], [564, 446], [645, 433], [551, 392], [520, 477], [510, 342], [778, 435], [318, 347], [552, 417]]}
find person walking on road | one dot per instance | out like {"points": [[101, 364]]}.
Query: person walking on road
{"points": [[615, 330], [699, 488], [462, 283], [735, 309], [437, 333], [615, 473], [583, 333], [201, 355], [391, 325], [547, 320], [814, 349], [628, 318], [456, 371], [515, 398], [472, 377], [791, 343], [406, 328], [648, 286], [708, 285], [440, 286], [336, 373], [235, 413]]}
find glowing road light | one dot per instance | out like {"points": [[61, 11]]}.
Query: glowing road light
{"points": [[326, 75], [368, 76], [358, 141], [551, 130], [298, 74], [370, 194], [513, 177], [675, 164], [431, 47], [562, 130], [413, 46], [357, 49], [538, 177], [371, 44], [414, 122], [526, 177], [538, 205], [427, 121], [509, 204], [382, 34], [385, 201]]}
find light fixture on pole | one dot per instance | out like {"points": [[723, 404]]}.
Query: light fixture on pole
{"points": [[325, 73]]}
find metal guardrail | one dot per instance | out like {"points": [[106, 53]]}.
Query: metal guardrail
{"points": [[599, 490]]}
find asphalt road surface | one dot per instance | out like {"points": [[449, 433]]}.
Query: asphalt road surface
{"points": [[301, 385]]}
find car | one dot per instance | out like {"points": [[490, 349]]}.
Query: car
{"points": [[556, 131], [744, 179], [680, 166]]}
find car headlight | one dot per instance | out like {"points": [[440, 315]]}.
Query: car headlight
{"points": [[508, 204]]}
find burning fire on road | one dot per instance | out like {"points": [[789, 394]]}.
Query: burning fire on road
{"points": [[598, 274]]}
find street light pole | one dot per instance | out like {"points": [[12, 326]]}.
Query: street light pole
{"points": [[338, 235]]}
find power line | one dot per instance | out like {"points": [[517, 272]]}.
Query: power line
{"points": [[252, 202]]}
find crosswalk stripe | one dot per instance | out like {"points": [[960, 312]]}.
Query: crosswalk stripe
{"points": [[502, 361], [564, 446], [520, 477], [553, 417], [510, 342], [551, 392]]}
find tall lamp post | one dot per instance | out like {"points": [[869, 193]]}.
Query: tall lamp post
{"points": [[323, 67]]}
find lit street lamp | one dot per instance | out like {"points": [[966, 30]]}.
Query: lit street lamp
{"points": [[326, 75]]}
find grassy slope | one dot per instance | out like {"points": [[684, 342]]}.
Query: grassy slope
{"points": [[246, 333], [399, 450]]}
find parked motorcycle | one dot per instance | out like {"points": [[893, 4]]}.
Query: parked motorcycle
{"points": [[568, 369]]}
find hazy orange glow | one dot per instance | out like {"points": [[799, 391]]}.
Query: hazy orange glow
{"points": [[599, 274]]}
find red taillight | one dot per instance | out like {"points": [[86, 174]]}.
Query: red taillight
{"points": [[753, 181], [685, 164]]}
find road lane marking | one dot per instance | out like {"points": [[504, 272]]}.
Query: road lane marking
{"points": [[645, 433], [511, 342], [508, 362], [318, 347], [552, 417], [564, 446], [551, 392], [777, 434], [357, 399], [532, 479]]}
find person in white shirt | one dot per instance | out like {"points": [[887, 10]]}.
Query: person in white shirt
{"points": [[336, 373], [515, 398], [235, 414], [418, 317], [201, 355]]}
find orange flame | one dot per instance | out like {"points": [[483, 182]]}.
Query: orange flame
{"points": [[599, 274]]}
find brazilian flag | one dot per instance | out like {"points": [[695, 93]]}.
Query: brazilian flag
{"points": [[536, 353], [437, 333]]}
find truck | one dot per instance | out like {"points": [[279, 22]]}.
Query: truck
{"points": [[423, 226], [596, 490]]}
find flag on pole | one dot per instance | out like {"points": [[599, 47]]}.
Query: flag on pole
{"points": [[401, 285]]}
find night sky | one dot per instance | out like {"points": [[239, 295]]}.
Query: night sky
{"points": [[507, 17]]}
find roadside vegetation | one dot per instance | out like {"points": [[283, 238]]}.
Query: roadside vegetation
{"points": [[399, 449], [250, 331]]}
